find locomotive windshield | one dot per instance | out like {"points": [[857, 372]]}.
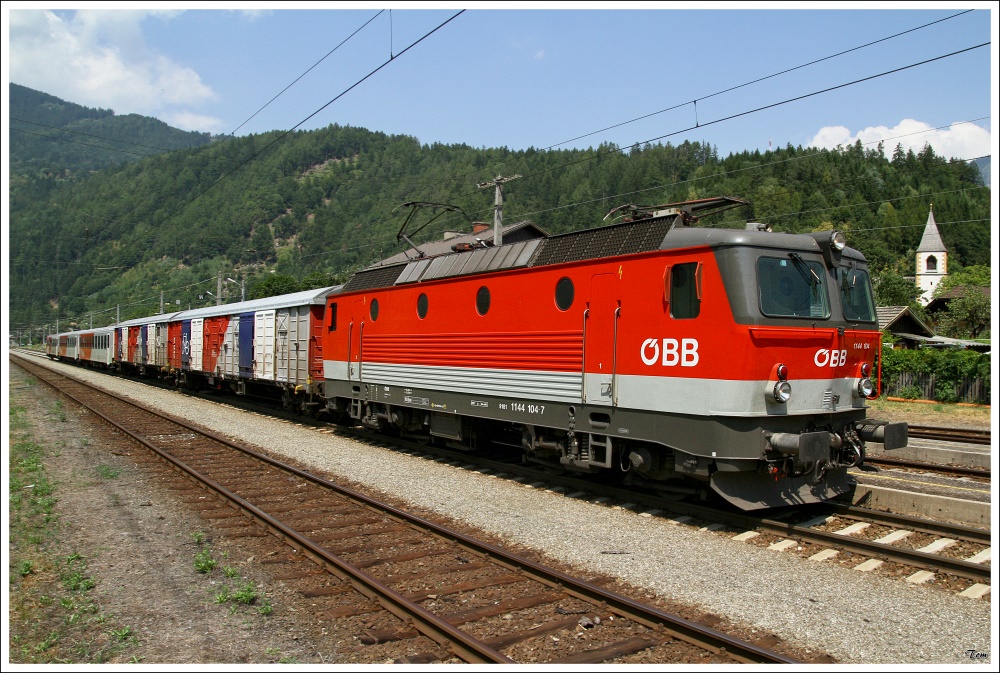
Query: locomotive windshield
{"points": [[791, 287], [856, 294]]}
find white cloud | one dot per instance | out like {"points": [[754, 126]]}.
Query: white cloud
{"points": [[99, 59], [961, 140], [540, 54], [190, 121]]}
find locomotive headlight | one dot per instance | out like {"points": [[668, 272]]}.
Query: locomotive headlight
{"points": [[865, 387], [866, 370], [838, 240], [782, 391]]}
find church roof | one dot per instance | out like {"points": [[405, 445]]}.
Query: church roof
{"points": [[931, 241]]}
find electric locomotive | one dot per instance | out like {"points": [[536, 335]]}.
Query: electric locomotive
{"points": [[671, 353]]}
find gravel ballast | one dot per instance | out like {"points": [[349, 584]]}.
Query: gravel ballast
{"points": [[857, 617]]}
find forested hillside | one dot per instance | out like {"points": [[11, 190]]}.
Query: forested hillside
{"points": [[54, 139], [321, 202]]}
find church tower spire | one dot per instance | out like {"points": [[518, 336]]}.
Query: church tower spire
{"points": [[932, 260]]}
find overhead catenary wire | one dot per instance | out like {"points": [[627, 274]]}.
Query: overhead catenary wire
{"points": [[90, 135], [391, 59], [658, 138], [694, 101], [77, 142], [310, 68], [495, 168], [285, 134]]}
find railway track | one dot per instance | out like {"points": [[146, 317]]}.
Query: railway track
{"points": [[947, 553], [364, 559], [950, 555], [966, 435], [938, 468]]}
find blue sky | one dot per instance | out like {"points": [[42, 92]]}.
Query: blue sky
{"points": [[530, 74]]}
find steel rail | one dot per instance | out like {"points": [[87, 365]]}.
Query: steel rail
{"points": [[930, 467], [650, 616], [959, 532], [464, 646], [966, 435], [750, 521]]}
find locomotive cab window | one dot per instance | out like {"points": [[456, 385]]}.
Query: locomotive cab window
{"points": [[684, 290], [856, 298], [792, 287]]}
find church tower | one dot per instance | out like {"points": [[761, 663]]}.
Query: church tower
{"points": [[932, 260]]}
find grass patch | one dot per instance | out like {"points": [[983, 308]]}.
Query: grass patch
{"points": [[241, 593], [58, 410], [203, 561], [931, 414], [107, 472], [52, 616]]}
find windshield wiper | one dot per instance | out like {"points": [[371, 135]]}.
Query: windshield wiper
{"points": [[802, 267]]}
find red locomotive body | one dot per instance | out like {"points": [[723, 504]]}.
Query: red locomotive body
{"points": [[738, 358]]}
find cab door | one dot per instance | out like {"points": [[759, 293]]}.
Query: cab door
{"points": [[601, 340], [354, 341]]}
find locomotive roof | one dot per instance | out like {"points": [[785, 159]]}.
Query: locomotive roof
{"points": [[613, 240], [517, 231], [716, 238]]}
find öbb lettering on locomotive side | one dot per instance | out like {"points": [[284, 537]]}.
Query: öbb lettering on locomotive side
{"points": [[679, 357], [683, 352]]}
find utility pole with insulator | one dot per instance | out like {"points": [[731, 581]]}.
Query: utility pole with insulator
{"points": [[498, 182]]}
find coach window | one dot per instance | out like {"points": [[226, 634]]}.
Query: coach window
{"points": [[373, 310], [332, 327], [564, 293], [685, 290], [422, 306], [483, 300]]}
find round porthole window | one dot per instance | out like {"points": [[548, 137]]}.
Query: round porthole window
{"points": [[422, 306], [483, 300], [564, 294], [373, 310]]}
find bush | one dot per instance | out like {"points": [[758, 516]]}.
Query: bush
{"points": [[911, 393], [950, 367], [945, 394]]}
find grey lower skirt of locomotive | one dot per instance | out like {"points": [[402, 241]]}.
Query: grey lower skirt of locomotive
{"points": [[750, 462]]}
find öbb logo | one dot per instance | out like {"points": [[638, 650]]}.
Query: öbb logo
{"points": [[683, 352], [826, 357]]}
